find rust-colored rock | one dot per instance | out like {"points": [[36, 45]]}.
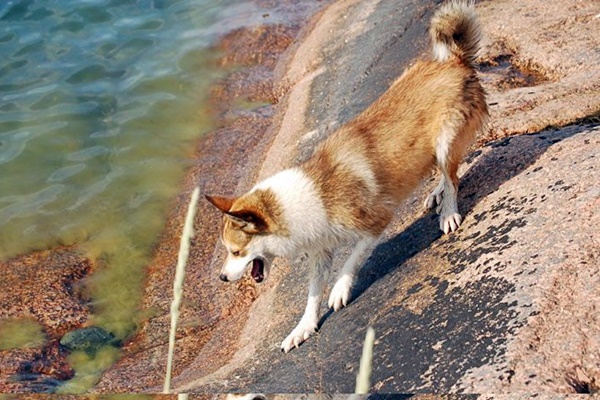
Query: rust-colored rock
{"points": [[44, 287], [437, 330], [541, 64], [262, 44]]}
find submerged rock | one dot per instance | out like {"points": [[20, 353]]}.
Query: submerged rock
{"points": [[88, 339]]}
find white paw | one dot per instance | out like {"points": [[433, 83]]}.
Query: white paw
{"points": [[340, 293], [450, 223], [433, 200], [300, 333]]}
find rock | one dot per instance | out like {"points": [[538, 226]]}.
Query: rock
{"points": [[471, 311], [88, 339], [541, 64], [44, 371], [43, 288], [477, 310]]}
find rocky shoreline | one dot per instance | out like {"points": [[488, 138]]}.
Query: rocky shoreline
{"points": [[324, 83], [53, 298], [243, 106], [482, 310]]}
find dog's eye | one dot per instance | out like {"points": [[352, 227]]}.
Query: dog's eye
{"points": [[236, 253]]}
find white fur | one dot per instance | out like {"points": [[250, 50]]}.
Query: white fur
{"points": [[435, 198], [340, 293], [304, 213], [360, 167], [319, 263], [442, 145], [450, 219], [234, 267], [450, 222], [441, 52]]}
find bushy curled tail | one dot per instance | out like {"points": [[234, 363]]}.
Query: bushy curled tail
{"points": [[455, 32]]}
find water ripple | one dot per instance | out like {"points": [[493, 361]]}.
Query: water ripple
{"points": [[100, 102], [88, 153], [66, 172], [30, 204]]}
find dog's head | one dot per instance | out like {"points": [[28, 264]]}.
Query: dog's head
{"points": [[248, 223]]}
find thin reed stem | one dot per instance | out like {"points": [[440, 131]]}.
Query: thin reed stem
{"points": [[363, 379], [184, 250]]}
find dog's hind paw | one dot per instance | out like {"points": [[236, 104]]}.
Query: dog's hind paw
{"points": [[450, 223], [433, 201], [300, 333], [340, 293]]}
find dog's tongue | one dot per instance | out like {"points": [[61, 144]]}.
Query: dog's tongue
{"points": [[258, 270]]}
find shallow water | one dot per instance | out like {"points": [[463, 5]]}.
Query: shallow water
{"points": [[100, 104], [98, 112]]}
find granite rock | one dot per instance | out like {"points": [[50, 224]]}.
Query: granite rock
{"points": [[44, 288], [487, 308]]}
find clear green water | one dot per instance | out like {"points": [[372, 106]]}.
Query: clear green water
{"points": [[101, 102]]}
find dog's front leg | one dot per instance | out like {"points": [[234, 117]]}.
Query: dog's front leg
{"points": [[319, 268], [340, 293]]}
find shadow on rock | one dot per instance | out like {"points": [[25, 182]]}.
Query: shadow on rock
{"points": [[493, 165]]}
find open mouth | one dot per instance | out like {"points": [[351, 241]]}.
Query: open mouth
{"points": [[258, 270]]}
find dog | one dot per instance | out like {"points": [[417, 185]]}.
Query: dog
{"points": [[347, 191]]}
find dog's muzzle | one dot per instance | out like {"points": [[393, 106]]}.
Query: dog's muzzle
{"points": [[258, 270]]}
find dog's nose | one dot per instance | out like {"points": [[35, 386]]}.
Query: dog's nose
{"points": [[223, 277]]}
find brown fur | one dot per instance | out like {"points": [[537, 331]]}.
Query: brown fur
{"points": [[397, 135], [255, 212]]}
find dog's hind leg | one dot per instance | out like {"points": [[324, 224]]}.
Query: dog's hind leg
{"points": [[319, 269], [435, 197], [340, 293], [450, 219], [451, 146]]}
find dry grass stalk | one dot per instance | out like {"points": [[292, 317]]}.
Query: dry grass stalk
{"points": [[184, 249], [363, 380]]}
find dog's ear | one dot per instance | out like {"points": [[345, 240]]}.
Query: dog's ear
{"points": [[249, 221], [222, 203]]}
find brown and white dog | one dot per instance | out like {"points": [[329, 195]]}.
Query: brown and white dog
{"points": [[348, 190]]}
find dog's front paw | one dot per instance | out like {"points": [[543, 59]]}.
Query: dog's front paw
{"points": [[340, 293], [450, 223], [298, 335]]}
